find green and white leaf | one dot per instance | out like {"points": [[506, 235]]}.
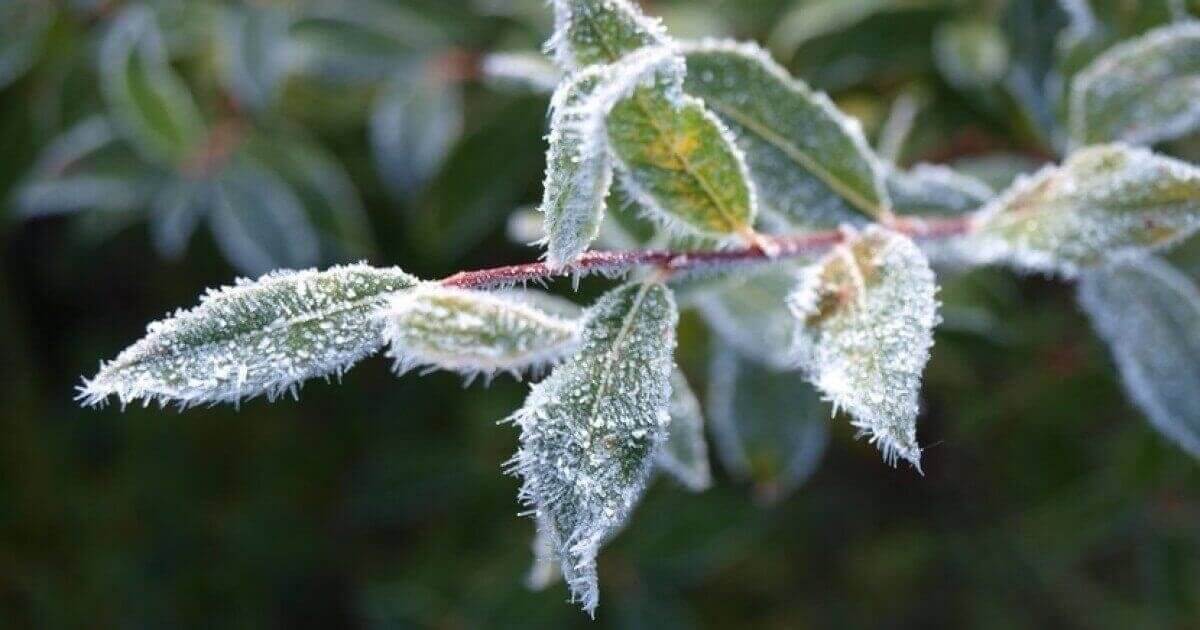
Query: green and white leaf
{"points": [[257, 337], [589, 32], [579, 166], [521, 71], [259, 222], [770, 427], [148, 102], [1102, 202], [809, 162], [590, 431], [866, 315], [255, 53], [936, 190], [1149, 313], [415, 122], [1143, 91], [473, 332], [681, 164], [750, 315], [684, 456], [971, 53]]}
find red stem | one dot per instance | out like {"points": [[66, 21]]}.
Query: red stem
{"points": [[671, 262]]}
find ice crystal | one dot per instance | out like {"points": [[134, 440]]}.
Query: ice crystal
{"points": [[590, 431], [579, 167], [810, 163], [1149, 313], [866, 317], [257, 337], [1102, 202], [589, 32], [472, 332], [684, 456], [1142, 91], [770, 427]]}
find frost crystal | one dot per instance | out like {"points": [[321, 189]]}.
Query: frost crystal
{"points": [[579, 166], [590, 431], [866, 317], [1143, 91], [1104, 201], [685, 454], [770, 427], [258, 337], [810, 163], [589, 32], [472, 332], [1149, 313]]}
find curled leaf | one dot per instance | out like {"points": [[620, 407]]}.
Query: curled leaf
{"points": [[1102, 202], [472, 332], [590, 431], [588, 32], [258, 337], [684, 456], [1143, 91], [1149, 313], [770, 427], [810, 163], [866, 315]]}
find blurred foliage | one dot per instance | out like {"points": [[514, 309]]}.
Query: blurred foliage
{"points": [[305, 132]]}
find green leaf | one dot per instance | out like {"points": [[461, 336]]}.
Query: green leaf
{"points": [[254, 52], [258, 337], [1142, 91], [473, 332], [259, 222], [588, 32], [416, 121], [1102, 202], [935, 190], [866, 315], [679, 162], [684, 456], [750, 315], [810, 163], [770, 427], [149, 103], [579, 165], [1149, 313], [23, 28], [590, 431], [971, 53], [528, 71]]}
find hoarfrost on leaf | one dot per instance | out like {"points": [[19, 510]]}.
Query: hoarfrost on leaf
{"points": [[1143, 91], [1103, 202], [1149, 313], [590, 431], [684, 456], [257, 337], [809, 162], [589, 32], [866, 315], [472, 332]]}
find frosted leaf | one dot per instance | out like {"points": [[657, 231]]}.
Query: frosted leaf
{"points": [[770, 427], [866, 317], [72, 193], [809, 162], [259, 221], [257, 337], [1102, 202], [751, 316], [935, 190], [1143, 91], [527, 71], [415, 122], [971, 53], [175, 214], [588, 32], [1149, 313], [590, 431], [684, 456], [472, 332], [149, 103], [681, 164], [579, 166], [254, 53], [545, 570]]}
